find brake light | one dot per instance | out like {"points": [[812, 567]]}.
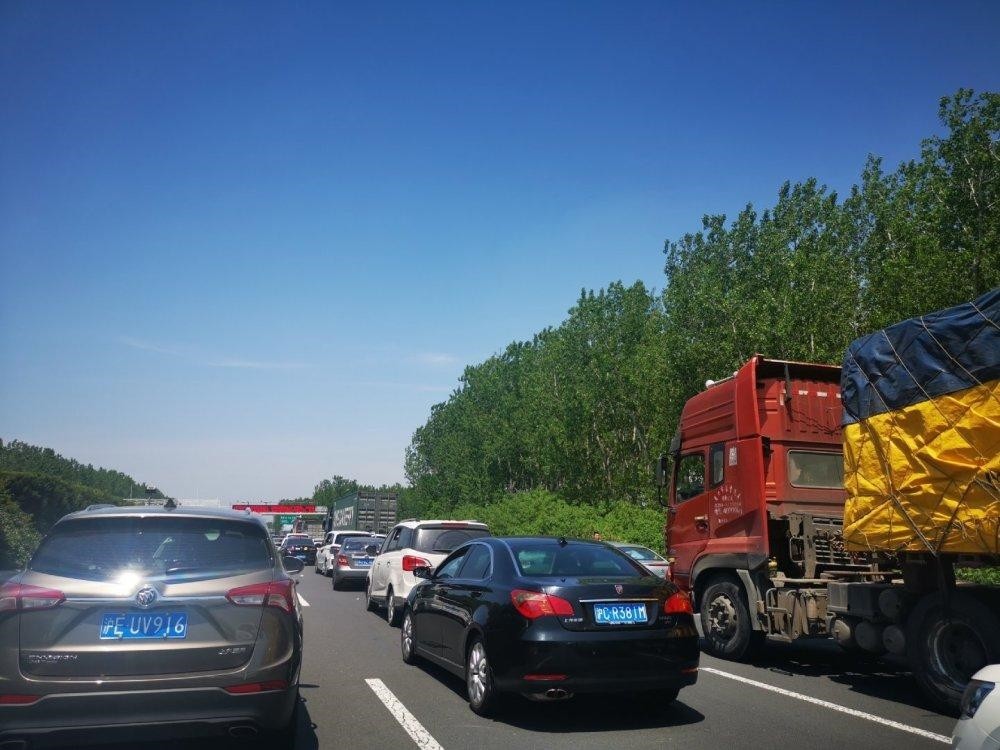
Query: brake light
{"points": [[20, 597], [342, 560], [19, 700], [544, 677], [274, 594], [678, 604], [256, 687], [412, 561], [534, 604]]}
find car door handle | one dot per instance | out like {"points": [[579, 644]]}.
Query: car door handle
{"points": [[475, 594]]}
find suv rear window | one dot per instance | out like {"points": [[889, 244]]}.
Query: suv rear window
{"points": [[109, 549], [444, 538], [573, 560]]}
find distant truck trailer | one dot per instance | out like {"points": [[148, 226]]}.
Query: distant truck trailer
{"points": [[364, 511]]}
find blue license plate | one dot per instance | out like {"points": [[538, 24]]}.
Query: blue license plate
{"points": [[620, 613], [363, 563], [117, 626]]}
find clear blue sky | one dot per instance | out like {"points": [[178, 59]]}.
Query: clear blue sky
{"points": [[245, 246]]}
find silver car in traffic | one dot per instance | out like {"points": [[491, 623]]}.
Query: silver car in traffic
{"points": [[133, 623]]}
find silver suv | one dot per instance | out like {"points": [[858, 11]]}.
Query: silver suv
{"points": [[158, 623], [411, 544]]}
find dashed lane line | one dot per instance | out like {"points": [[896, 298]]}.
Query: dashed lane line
{"points": [[302, 599], [406, 720], [832, 706]]}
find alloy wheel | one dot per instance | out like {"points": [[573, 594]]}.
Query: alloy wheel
{"points": [[478, 674]]}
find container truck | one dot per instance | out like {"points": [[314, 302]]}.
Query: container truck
{"points": [[364, 511], [811, 500]]}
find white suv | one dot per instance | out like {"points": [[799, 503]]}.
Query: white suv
{"points": [[411, 544]]}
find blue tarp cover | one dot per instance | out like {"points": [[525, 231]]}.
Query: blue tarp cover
{"points": [[922, 358]]}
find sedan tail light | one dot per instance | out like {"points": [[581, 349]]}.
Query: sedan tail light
{"points": [[20, 597], [278, 594], [535, 604], [412, 561], [678, 604], [342, 560]]}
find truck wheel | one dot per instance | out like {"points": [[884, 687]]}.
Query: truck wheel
{"points": [[725, 621], [946, 645]]}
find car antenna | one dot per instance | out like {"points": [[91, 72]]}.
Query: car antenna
{"points": [[170, 504], [562, 541]]}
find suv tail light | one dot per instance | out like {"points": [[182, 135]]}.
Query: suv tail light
{"points": [[412, 561], [20, 597], [535, 604], [278, 594], [678, 604]]}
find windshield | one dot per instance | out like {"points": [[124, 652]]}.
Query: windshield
{"points": [[445, 538], [572, 560], [640, 553], [111, 549], [356, 544]]}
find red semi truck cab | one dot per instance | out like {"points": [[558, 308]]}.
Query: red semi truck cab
{"points": [[752, 453], [757, 493]]}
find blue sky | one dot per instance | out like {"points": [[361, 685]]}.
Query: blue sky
{"points": [[245, 246]]}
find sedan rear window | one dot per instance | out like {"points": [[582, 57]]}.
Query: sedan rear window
{"points": [[573, 560], [110, 549], [358, 543], [445, 538]]}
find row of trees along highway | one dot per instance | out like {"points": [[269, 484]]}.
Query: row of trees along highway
{"points": [[559, 434], [38, 486]]}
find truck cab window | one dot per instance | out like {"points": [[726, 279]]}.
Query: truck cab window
{"points": [[717, 463], [690, 477]]}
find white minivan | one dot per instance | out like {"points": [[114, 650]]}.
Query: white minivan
{"points": [[410, 544]]}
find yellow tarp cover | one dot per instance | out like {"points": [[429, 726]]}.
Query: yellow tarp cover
{"points": [[926, 476]]}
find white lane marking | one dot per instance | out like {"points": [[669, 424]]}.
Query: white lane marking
{"points": [[406, 720], [832, 706], [302, 599]]}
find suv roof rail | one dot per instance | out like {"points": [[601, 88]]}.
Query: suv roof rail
{"points": [[99, 506]]}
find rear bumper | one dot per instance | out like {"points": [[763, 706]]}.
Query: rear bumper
{"points": [[593, 662], [133, 716], [352, 574]]}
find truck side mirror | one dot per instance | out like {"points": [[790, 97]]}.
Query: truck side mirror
{"points": [[662, 470]]}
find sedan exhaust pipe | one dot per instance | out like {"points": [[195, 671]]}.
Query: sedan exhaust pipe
{"points": [[242, 731], [557, 694]]}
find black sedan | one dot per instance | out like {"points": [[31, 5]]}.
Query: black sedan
{"points": [[299, 546], [549, 618]]}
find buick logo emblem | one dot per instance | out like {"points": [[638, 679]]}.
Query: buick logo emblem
{"points": [[618, 588], [146, 596]]}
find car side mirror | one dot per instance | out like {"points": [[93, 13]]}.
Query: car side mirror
{"points": [[371, 550], [292, 564], [422, 571]]}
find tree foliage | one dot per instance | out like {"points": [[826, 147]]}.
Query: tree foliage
{"points": [[561, 431], [114, 485]]}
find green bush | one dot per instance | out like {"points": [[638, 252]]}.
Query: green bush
{"points": [[987, 576], [18, 536], [543, 513]]}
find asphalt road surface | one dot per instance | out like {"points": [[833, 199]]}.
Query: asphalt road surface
{"points": [[358, 694]]}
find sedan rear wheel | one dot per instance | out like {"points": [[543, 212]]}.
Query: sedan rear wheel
{"points": [[407, 644], [479, 680]]}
